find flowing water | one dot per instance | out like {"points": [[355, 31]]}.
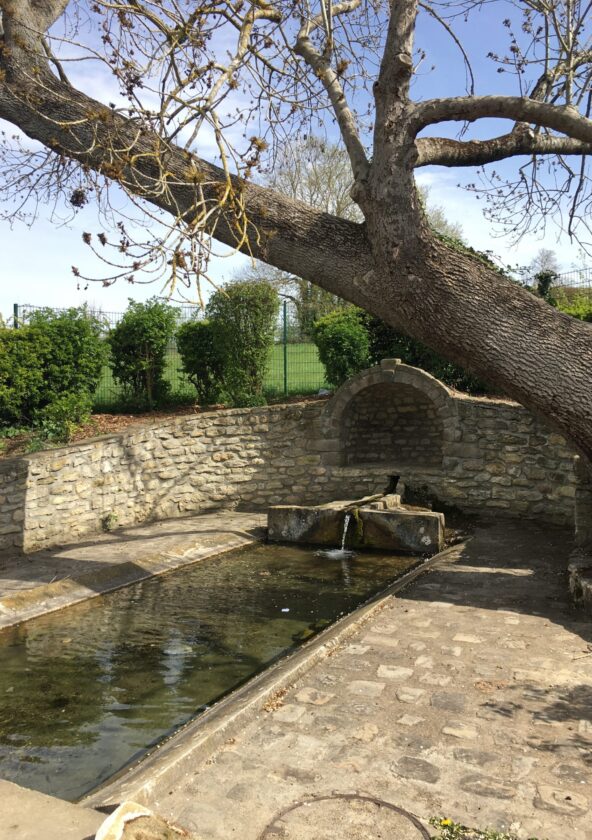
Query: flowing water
{"points": [[87, 690]]}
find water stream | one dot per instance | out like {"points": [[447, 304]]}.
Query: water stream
{"points": [[87, 690]]}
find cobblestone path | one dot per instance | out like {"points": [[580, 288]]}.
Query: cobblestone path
{"points": [[469, 695]]}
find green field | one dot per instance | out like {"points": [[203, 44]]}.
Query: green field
{"points": [[305, 375]]}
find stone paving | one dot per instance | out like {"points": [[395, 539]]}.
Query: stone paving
{"points": [[469, 695]]}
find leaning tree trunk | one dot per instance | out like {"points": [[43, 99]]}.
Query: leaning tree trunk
{"points": [[393, 266]]}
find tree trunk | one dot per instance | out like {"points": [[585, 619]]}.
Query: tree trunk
{"points": [[393, 266]]}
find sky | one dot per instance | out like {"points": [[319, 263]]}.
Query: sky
{"points": [[35, 266]]}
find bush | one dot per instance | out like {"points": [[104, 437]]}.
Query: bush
{"points": [[580, 306], [58, 421], [342, 340], [202, 359], [388, 343], [138, 346], [55, 354], [76, 352], [22, 383], [243, 317]]}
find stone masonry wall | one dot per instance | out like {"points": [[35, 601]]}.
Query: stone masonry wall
{"points": [[248, 458], [13, 481], [387, 424], [494, 456]]}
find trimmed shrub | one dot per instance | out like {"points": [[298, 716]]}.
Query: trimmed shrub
{"points": [[343, 343], [243, 318], [76, 353], [138, 346], [202, 359], [22, 382], [55, 354]]}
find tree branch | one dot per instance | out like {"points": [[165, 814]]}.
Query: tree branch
{"points": [[321, 65], [442, 151], [285, 233], [565, 119]]}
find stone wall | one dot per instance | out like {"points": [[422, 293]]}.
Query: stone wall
{"points": [[493, 453], [249, 458], [383, 424], [13, 482], [473, 453]]}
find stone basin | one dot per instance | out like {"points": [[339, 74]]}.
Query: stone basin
{"points": [[381, 523]]}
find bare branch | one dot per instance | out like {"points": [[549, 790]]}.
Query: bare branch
{"points": [[442, 151], [320, 63], [565, 119]]}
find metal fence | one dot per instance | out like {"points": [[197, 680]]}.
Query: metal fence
{"points": [[574, 284], [294, 366]]}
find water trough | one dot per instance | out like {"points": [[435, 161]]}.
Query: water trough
{"points": [[375, 522]]}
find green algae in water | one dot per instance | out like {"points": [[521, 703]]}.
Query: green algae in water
{"points": [[85, 691]]}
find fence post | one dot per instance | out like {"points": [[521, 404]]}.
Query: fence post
{"points": [[15, 315], [285, 348]]}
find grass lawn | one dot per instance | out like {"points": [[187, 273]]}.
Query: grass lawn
{"points": [[305, 376]]}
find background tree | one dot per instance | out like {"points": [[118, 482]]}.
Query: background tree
{"points": [[244, 77]]}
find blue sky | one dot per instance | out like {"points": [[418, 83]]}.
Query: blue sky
{"points": [[36, 262]]}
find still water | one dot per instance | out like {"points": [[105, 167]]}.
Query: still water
{"points": [[85, 691]]}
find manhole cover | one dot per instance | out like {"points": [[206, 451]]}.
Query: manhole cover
{"points": [[346, 817]]}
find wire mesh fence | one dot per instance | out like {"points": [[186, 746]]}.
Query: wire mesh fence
{"points": [[294, 366]]}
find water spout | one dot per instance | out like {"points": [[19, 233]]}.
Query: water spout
{"points": [[346, 522], [343, 554]]}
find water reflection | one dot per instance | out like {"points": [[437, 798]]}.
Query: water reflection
{"points": [[84, 691]]}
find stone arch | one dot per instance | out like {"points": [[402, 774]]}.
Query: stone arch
{"points": [[393, 415]]}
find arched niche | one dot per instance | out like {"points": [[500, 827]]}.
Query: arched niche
{"points": [[392, 415]]}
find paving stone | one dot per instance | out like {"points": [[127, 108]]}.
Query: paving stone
{"points": [[289, 713], [467, 639], [474, 756], [394, 672], [410, 720], [435, 679], [366, 688], [365, 733], [560, 801], [451, 650], [356, 650], [376, 640], [410, 767], [488, 786], [424, 662], [417, 646], [410, 695], [449, 700], [571, 773], [458, 729], [313, 697]]}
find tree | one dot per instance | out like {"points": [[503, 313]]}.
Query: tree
{"points": [[318, 173], [546, 261], [293, 67]]}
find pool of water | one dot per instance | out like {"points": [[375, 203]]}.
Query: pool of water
{"points": [[85, 691]]}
